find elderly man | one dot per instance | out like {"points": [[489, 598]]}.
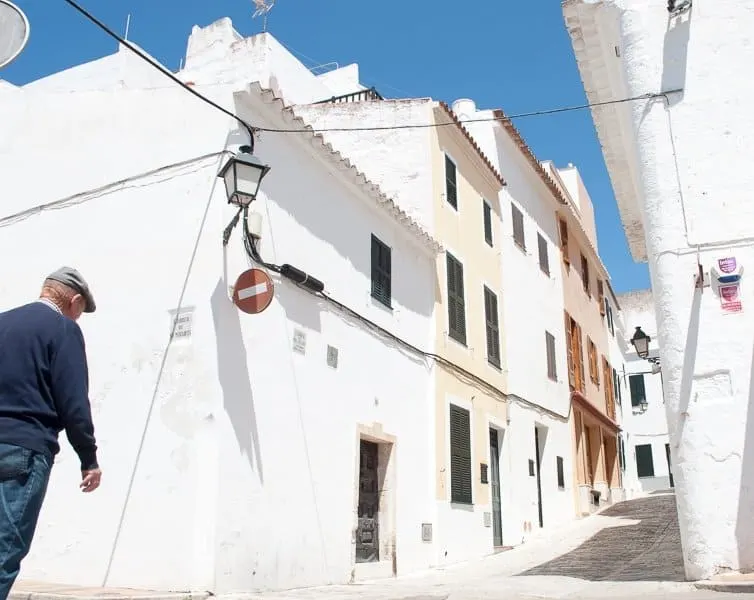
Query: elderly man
{"points": [[44, 388]]}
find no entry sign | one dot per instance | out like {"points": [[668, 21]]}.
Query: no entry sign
{"points": [[253, 291]]}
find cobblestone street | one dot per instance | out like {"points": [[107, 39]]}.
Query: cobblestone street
{"points": [[647, 551]]}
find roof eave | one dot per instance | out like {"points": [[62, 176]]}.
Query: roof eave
{"points": [[486, 162], [584, 28], [411, 226]]}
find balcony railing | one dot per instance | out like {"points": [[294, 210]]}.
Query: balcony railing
{"points": [[367, 95]]}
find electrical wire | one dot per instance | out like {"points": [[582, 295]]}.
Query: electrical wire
{"points": [[468, 376], [161, 69], [253, 129]]}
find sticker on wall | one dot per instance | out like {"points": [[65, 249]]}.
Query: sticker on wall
{"points": [[729, 299], [299, 341]]}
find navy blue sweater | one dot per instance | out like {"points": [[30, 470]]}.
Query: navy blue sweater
{"points": [[44, 383]]}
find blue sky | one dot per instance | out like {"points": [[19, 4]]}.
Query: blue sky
{"points": [[510, 55]]}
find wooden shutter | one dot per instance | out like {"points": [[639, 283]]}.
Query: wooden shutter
{"points": [[381, 271], [492, 326], [570, 351], [456, 301], [601, 296], [564, 242], [561, 472], [460, 455], [552, 369], [544, 257], [519, 236], [609, 393], [616, 387], [579, 352], [585, 275], [487, 210], [638, 391], [644, 461], [451, 187]]}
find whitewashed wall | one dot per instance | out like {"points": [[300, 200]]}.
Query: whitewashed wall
{"points": [[217, 53], [680, 157], [650, 427], [533, 304], [247, 474]]}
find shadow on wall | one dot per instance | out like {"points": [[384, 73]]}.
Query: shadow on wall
{"points": [[675, 55], [689, 364], [337, 218], [745, 520], [300, 307], [306, 309], [233, 372]]}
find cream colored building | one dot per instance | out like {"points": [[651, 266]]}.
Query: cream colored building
{"points": [[440, 176], [470, 413]]}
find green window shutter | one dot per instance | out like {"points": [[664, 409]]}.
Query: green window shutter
{"points": [[460, 456]]}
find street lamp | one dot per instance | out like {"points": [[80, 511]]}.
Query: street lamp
{"points": [[243, 173], [640, 342]]}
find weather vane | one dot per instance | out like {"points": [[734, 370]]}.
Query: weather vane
{"points": [[263, 8]]}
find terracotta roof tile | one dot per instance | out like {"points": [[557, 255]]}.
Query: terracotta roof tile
{"points": [[472, 141]]}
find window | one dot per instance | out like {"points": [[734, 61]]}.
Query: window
{"points": [[381, 272], [561, 472], [460, 455], [552, 369], [610, 320], [487, 209], [585, 275], [621, 453], [607, 377], [544, 258], [616, 387], [451, 185], [638, 391], [456, 302], [591, 350], [493, 327], [575, 354], [518, 227], [564, 243], [644, 463], [601, 296]]}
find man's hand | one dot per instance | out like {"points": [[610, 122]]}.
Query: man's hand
{"points": [[90, 480]]}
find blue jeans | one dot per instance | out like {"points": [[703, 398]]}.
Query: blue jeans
{"points": [[24, 475]]}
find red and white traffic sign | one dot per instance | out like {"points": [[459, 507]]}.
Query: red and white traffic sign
{"points": [[253, 291]]}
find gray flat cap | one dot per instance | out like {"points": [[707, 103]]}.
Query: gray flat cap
{"points": [[73, 279]]}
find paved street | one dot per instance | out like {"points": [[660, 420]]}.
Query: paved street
{"points": [[650, 550], [628, 551]]}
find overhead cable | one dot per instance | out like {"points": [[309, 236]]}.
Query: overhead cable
{"points": [[251, 129]]}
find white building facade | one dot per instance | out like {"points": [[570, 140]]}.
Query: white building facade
{"points": [[236, 454], [644, 422], [532, 304], [674, 159]]}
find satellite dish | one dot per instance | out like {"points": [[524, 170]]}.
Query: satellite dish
{"points": [[14, 32]]}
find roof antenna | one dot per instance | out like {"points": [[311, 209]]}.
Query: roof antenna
{"points": [[128, 27], [263, 8]]}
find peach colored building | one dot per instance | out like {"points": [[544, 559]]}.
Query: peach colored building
{"points": [[597, 474]]}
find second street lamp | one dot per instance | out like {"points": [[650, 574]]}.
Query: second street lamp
{"points": [[640, 342]]}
